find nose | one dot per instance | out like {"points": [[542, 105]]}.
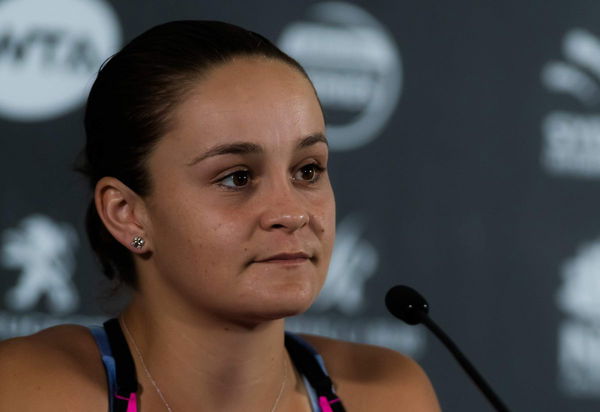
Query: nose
{"points": [[283, 210]]}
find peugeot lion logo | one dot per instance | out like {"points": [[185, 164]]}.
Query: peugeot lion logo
{"points": [[42, 251]]}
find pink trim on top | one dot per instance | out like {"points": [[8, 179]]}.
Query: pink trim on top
{"points": [[132, 402], [325, 404]]}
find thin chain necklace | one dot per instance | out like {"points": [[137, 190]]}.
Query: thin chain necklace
{"points": [[147, 372]]}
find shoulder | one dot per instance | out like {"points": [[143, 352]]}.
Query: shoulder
{"points": [[370, 377], [60, 365]]}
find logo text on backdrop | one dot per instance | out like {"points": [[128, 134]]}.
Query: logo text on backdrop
{"points": [[355, 66], [49, 54]]}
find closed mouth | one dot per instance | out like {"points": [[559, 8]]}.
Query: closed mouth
{"points": [[298, 257]]}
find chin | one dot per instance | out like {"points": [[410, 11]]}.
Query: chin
{"points": [[282, 306]]}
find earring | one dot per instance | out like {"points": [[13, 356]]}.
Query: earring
{"points": [[138, 242]]}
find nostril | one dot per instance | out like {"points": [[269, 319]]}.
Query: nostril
{"points": [[287, 222]]}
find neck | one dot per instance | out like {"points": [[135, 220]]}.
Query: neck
{"points": [[199, 363]]}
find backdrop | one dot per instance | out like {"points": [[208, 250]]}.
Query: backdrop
{"points": [[466, 160]]}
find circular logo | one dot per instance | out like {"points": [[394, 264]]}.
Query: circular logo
{"points": [[50, 52], [354, 65]]}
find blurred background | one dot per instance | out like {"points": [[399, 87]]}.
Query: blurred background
{"points": [[466, 163]]}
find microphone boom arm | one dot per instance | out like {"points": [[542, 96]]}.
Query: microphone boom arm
{"points": [[464, 362]]}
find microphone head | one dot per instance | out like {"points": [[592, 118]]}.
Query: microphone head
{"points": [[406, 304]]}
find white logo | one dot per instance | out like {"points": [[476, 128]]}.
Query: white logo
{"points": [[43, 251], [353, 262], [354, 65], [572, 140], [579, 334], [50, 52]]}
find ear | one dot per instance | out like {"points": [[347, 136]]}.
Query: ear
{"points": [[122, 211]]}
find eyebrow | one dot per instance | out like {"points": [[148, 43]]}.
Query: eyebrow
{"points": [[243, 148], [313, 139]]}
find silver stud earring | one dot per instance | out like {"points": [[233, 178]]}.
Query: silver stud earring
{"points": [[138, 242]]}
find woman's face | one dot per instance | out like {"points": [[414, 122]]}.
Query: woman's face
{"points": [[241, 218]]}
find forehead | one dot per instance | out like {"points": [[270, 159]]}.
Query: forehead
{"points": [[245, 75], [248, 99]]}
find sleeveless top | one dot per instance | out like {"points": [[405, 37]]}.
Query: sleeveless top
{"points": [[122, 382]]}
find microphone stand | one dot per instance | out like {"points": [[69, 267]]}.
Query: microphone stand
{"points": [[464, 362]]}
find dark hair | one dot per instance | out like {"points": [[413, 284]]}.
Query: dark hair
{"points": [[130, 103]]}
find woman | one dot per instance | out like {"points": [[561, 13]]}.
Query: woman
{"points": [[207, 154]]}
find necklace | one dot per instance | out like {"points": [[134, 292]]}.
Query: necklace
{"points": [[159, 392]]}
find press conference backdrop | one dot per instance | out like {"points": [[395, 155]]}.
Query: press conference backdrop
{"points": [[466, 163]]}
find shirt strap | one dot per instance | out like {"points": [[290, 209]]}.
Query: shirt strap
{"points": [[310, 364], [125, 396], [108, 361]]}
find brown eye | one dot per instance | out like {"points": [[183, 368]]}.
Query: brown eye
{"points": [[236, 180], [309, 173], [240, 178]]}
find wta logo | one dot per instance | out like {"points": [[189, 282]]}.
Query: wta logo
{"points": [[571, 140], [49, 54]]}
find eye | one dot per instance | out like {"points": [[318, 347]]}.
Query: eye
{"points": [[309, 173], [236, 180]]}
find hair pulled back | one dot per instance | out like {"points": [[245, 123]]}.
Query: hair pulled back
{"points": [[130, 103]]}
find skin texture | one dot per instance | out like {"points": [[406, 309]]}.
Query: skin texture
{"points": [[239, 229], [208, 235]]}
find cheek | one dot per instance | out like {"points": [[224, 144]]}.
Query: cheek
{"points": [[195, 235], [325, 227], [199, 255], [329, 212]]}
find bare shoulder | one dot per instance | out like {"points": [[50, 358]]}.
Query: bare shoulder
{"points": [[59, 366], [370, 377]]}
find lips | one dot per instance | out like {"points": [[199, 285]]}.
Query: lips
{"points": [[296, 257]]}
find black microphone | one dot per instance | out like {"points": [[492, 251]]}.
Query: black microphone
{"points": [[408, 305]]}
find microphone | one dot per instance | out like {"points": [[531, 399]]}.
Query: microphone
{"points": [[408, 305]]}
